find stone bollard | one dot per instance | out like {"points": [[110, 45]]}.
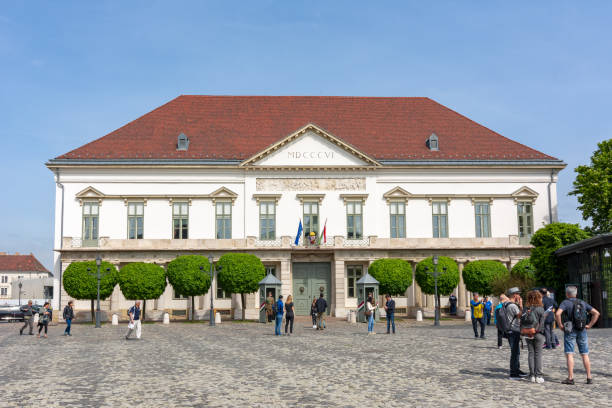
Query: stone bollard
{"points": [[36, 317], [468, 316], [115, 319], [353, 316], [419, 316], [217, 318], [166, 318], [348, 316]]}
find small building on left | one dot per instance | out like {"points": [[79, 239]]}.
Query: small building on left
{"points": [[36, 281]]}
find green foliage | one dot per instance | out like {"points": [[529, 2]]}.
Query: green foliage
{"points": [[478, 275], [550, 271], [501, 284], [83, 285], [186, 277], [593, 188], [447, 281], [394, 275], [141, 280], [240, 273], [523, 269]]}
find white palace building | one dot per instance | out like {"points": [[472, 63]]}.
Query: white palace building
{"points": [[389, 177]]}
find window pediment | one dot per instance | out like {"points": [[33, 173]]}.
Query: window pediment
{"points": [[524, 194], [397, 193]]}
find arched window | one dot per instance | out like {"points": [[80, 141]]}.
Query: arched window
{"points": [[432, 142]]}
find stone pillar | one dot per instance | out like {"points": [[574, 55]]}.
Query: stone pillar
{"points": [[461, 293], [417, 289], [285, 277], [339, 299]]}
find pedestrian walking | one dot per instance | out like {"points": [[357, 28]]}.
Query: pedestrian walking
{"points": [[28, 316], [289, 315], [550, 306], [270, 307], [321, 308], [502, 299], [532, 328], [45, 316], [68, 316], [279, 316], [511, 311], [477, 316], [488, 307], [390, 312], [452, 300], [369, 312], [572, 319], [313, 312], [134, 323]]}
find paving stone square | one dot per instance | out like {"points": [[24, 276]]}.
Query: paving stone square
{"points": [[244, 364]]}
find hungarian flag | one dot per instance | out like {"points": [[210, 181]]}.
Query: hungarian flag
{"points": [[323, 236]]}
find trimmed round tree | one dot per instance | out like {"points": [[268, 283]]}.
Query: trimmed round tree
{"points": [[479, 275], [142, 281], [523, 269], [189, 276], [82, 284], [240, 273], [549, 270], [447, 279], [393, 274]]}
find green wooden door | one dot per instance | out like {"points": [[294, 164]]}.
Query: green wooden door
{"points": [[309, 280]]}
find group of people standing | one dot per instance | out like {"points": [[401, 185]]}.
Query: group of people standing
{"points": [[45, 315], [481, 314], [533, 321]]}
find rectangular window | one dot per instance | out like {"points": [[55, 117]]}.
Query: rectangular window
{"points": [[3, 291], [180, 220], [354, 220], [90, 223], [483, 219], [224, 220], [311, 218], [440, 219], [135, 220], [525, 221], [267, 220], [397, 212], [353, 273], [271, 269], [4, 279]]}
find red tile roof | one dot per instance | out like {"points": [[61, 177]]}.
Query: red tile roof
{"points": [[22, 263], [237, 127]]}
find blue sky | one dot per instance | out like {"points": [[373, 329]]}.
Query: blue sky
{"points": [[70, 72]]}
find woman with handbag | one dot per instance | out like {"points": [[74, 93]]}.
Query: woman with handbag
{"points": [[369, 312], [532, 327], [44, 318]]}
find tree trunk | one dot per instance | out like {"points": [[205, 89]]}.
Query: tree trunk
{"points": [[243, 298], [192, 307], [144, 310], [93, 313]]}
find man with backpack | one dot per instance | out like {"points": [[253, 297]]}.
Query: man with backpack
{"points": [[508, 322], [550, 306], [572, 319]]}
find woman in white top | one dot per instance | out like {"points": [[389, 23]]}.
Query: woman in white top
{"points": [[370, 309]]}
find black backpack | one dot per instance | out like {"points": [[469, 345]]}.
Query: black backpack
{"points": [[579, 315], [528, 320], [504, 321]]}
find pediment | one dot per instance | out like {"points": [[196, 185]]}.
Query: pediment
{"points": [[311, 146], [397, 193], [524, 193], [89, 192], [223, 193]]}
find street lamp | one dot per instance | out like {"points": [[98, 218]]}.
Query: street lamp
{"points": [[20, 285], [211, 317], [99, 277], [435, 274]]}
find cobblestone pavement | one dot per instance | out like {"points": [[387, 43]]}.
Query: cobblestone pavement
{"points": [[243, 364]]}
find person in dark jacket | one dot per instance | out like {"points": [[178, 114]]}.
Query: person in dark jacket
{"points": [[313, 312], [44, 319], [550, 306], [321, 307], [68, 316], [289, 315], [279, 315], [390, 312], [452, 300], [28, 315]]}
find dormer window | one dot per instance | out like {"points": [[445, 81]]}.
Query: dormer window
{"points": [[183, 142], [432, 142]]}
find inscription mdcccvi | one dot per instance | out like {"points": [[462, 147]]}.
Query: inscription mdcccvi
{"points": [[310, 184], [310, 155]]}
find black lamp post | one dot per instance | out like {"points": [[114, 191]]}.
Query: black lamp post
{"points": [[99, 277], [20, 285], [211, 317], [435, 274]]}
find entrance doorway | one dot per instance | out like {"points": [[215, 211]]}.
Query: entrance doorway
{"points": [[310, 279]]}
